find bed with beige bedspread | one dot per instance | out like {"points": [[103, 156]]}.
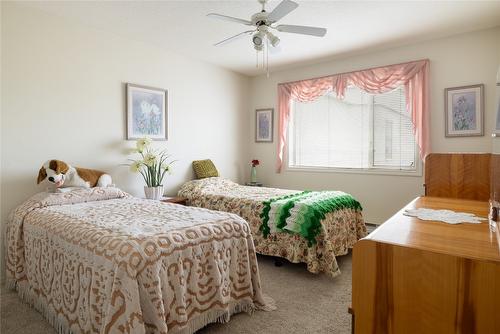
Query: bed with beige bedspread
{"points": [[340, 229], [100, 261]]}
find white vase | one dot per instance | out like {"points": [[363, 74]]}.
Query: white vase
{"points": [[253, 175], [153, 192]]}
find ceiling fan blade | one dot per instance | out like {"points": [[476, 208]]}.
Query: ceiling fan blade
{"points": [[232, 38], [229, 18], [304, 30], [285, 7]]}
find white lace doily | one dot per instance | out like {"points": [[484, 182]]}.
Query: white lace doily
{"points": [[446, 216]]}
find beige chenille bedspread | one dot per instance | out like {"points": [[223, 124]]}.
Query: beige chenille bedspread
{"points": [[340, 229], [100, 261]]}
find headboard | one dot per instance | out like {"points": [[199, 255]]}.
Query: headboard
{"points": [[458, 175]]}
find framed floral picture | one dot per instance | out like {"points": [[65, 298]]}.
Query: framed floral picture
{"points": [[464, 111], [146, 112], [264, 125]]}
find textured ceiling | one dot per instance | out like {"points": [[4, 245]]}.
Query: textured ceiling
{"points": [[182, 26]]}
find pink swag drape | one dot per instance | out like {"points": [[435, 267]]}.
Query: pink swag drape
{"points": [[414, 75]]}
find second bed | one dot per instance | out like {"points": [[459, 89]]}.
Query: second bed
{"points": [[340, 228]]}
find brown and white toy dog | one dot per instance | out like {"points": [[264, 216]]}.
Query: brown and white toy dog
{"points": [[63, 175]]}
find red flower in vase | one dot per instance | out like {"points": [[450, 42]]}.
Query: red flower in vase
{"points": [[255, 162]]}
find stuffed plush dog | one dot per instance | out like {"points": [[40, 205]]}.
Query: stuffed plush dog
{"points": [[63, 175]]}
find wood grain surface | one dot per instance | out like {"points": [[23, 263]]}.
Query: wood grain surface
{"points": [[413, 276], [458, 175], [467, 240], [495, 178]]}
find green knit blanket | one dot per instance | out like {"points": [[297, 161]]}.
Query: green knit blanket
{"points": [[302, 213]]}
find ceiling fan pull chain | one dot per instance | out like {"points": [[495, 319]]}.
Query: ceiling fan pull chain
{"points": [[267, 57], [264, 56]]}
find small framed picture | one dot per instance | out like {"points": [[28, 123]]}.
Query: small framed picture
{"points": [[146, 112], [264, 125], [464, 111]]}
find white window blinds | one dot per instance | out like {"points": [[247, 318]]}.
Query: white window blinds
{"points": [[393, 139], [362, 131]]}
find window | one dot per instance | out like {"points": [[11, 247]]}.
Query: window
{"points": [[362, 131]]}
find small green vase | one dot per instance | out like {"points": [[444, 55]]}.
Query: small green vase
{"points": [[253, 175]]}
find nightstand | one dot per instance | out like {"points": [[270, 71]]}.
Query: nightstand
{"points": [[175, 200], [254, 184]]}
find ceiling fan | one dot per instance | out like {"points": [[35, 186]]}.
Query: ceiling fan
{"points": [[263, 21]]}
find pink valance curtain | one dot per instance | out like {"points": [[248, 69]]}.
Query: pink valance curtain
{"points": [[413, 75]]}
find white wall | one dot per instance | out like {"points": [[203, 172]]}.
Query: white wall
{"points": [[455, 61], [63, 96]]}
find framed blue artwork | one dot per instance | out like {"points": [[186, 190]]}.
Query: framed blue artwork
{"points": [[264, 125], [464, 111], [146, 112]]}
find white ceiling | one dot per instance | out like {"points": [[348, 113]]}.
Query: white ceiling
{"points": [[182, 26]]}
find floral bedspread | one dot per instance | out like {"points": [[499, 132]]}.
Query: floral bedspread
{"points": [[100, 261], [340, 229]]}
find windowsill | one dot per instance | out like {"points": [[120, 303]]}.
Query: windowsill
{"points": [[372, 171]]}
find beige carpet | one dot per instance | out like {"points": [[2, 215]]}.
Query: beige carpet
{"points": [[307, 303]]}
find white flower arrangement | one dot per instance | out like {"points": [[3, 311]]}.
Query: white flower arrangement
{"points": [[153, 165], [142, 144]]}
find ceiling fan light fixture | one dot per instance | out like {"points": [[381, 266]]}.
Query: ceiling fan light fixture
{"points": [[258, 39], [273, 39]]}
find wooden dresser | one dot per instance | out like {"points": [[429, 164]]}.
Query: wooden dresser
{"points": [[413, 276]]}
